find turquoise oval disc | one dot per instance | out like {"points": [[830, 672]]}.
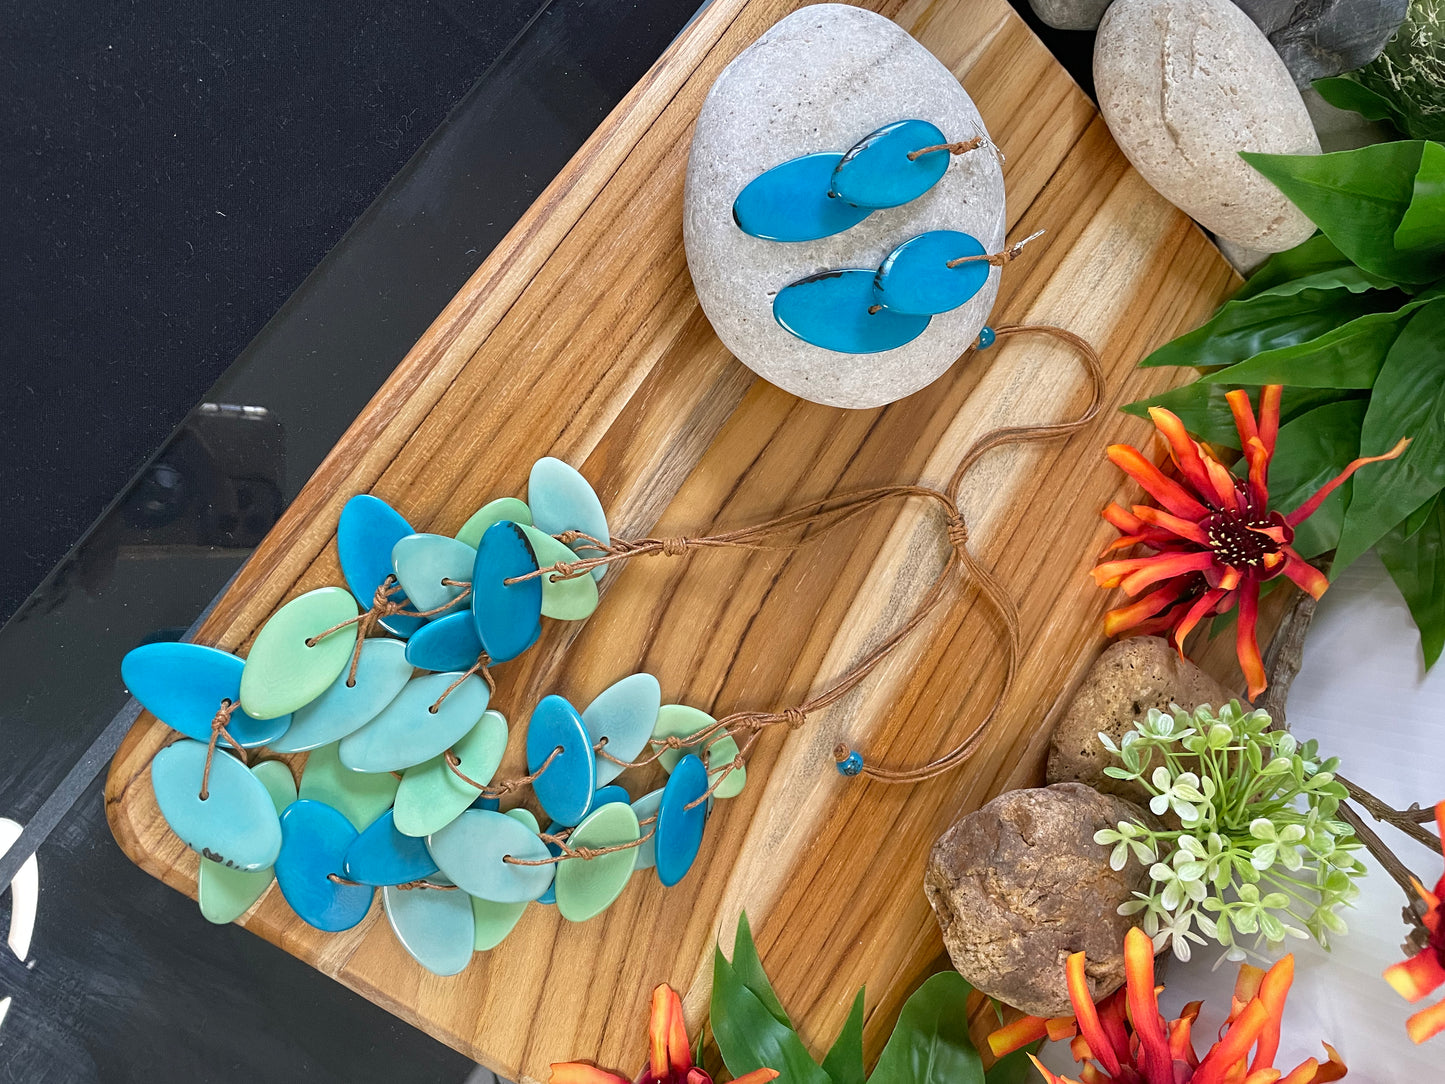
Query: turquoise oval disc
{"points": [[360, 796], [408, 732], [587, 887], [646, 810], [381, 672], [679, 829], [790, 202], [495, 920], [830, 310], [470, 852], [623, 714], [183, 685], [365, 535], [283, 672], [314, 842], [448, 643], [383, 856], [431, 795], [915, 276], [225, 894], [565, 788], [235, 825], [423, 561], [493, 512], [562, 499], [435, 926], [876, 171], [508, 617]]}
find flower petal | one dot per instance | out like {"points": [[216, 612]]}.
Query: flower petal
{"points": [[1426, 1023], [1120, 517], [1243, 412], [1227, 1054], [1269, 399], [1163, 489], [1015, 1036], [1246, 644], [1144, 1005], [577, 1072], [757, 1076], [1126, 617], [1087, 1015], [1203, 606], [1417, 977], [1164, 566], [1182, 448], [1185, 528], [1304, 511], [1272, 992], [658, 1030], [1303, 573]]}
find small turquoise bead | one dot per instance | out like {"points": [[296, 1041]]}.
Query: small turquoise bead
{"points": [[986, 337], [915, 276], [235, 824], [368, 530], [448, 643], [565, 787], [383, 856], [435, 926], [679, 829], [508, 618], [314, 842], [183, 684], [876, 171], [852, 764], [381, 673], [561, 500], [831, 310], [790, 202]]}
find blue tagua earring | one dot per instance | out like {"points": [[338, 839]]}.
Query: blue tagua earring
{"points": [[863, 311], [818, 195]]}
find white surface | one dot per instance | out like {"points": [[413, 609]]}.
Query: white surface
{"points": [[1363, 692]]}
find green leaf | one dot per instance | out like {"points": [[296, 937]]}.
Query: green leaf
{"points": [[1408, 400], [750, 1037], [1358, 199], [930, 1044], [1311, 450], [1205, 413], [1423, 227], [1416, 562], [844, 1060], [1317, 254], [1012, 1068], [1345, 93], [749, 969], [1349, 356], [1281, 316]]}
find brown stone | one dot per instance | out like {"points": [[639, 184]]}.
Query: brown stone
{"points": [[1020, 885], [1128, 679]]}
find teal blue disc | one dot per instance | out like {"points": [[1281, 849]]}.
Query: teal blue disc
{"points": [[565, 787], [876, 171], [831, 310], [915, 276], [508, 617], [448, 643], [314, 842], [679, 829], [790, 202], [183, 685], [345, 706], [368, 530]]}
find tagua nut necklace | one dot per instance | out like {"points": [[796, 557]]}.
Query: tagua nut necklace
{"points": [[391, 703]]}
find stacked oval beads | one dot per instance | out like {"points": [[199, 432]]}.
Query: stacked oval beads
{"points": [[384, 685]]}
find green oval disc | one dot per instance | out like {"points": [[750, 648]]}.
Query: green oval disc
{"points": [[503, 508], [431, 795], [587, 886], [565, 600], [360, 797], [282, 673], [493, 921]]}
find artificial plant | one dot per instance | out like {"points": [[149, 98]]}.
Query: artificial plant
{"points": [[1405, 84], [930, 1043], [1352, 324]]}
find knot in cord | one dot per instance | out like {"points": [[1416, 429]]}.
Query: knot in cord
{"points": [[673, 547], [957, 532], [794, 717]]}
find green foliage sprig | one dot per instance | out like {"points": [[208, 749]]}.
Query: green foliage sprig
{"points": [[1405, 84], [930, 1043], [1259, 851], [1352, 323]]}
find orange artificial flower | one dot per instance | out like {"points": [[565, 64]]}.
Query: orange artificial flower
{"points": [[670, 1056], [1424, 972], [1214, 536], [1124, 1040]]}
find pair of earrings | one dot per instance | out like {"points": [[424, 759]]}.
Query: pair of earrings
{"points": [[858, 310]]}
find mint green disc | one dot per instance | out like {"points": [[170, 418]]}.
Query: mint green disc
{"points": [[225, 894], [359, 796], [431, 796], [493, 921], [282, 673], [565, 600], [504, 508], [678, 721], [587, 886], [720, 752]]}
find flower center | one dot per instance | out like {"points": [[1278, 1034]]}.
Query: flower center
{"points": [[1238, 539]]}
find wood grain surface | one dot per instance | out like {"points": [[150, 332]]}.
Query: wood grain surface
{"points": [[581, 337]]}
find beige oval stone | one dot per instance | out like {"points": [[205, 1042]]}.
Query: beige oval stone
{"points": [[1184, 86]]}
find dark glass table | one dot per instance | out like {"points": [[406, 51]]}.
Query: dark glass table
{"points": [[124, 980]]}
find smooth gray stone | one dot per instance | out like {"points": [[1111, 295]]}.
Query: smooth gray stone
{"points": [[1070, 14], [820, 80], [1184, 86], [1319, 38]]}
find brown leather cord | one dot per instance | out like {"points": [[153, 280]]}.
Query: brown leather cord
{"points": [[962, 147], [481, 666], [337, 879], [384, 606], [998, 259], [583, 853], [218, 730], [506, 786]]}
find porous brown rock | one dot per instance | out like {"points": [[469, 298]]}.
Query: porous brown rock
{"points": [[1128, 679], [1020, 885]]}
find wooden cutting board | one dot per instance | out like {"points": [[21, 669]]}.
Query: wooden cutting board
{"points": [[581, 337]]}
